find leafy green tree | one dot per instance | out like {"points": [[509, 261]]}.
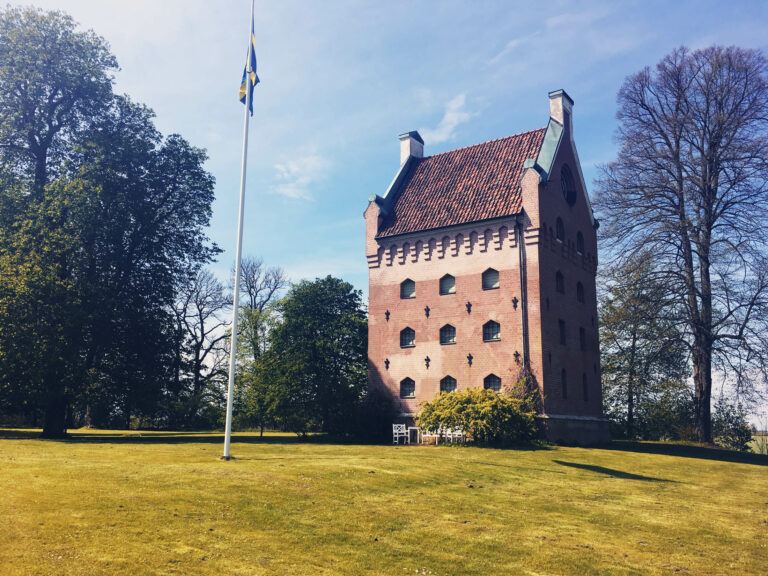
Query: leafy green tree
{"points": [[53, 78], [40, 307], [104, 220], [317, 359], [255, 392], [258, 315], [150, 200], [730, 426], [666, 412], [642, 345]]}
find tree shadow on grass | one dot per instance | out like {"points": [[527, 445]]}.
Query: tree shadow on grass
{"points": [[611, 472], [688, 451]]}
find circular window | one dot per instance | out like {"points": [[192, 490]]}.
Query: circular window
{"points": [[569, 189]]}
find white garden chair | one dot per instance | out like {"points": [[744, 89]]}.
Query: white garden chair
{"points": [[427, 434], [454, 435], [399, 431]]}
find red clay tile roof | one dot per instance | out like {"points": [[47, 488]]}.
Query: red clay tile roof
{"points": [[470, 184]]}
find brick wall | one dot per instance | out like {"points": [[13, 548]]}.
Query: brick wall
{"points": [[465, 254]]}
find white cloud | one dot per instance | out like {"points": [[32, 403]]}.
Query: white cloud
{"points": [[455, 114], [295, 178]]}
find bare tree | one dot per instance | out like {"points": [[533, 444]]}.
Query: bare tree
{"points": [[261, 286], [200, 314], [690, 185]]}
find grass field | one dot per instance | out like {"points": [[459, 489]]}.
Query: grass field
{"points": [[160, 503]]}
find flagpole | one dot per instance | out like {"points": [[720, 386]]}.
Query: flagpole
{"points": [[239, 251]]}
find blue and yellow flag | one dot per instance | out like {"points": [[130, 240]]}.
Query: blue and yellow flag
{"points": [[250, 62]]}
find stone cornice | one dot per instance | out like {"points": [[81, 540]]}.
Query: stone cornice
{"points": [[453, 242]]}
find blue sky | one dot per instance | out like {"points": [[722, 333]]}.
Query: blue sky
{"points": [[341, 79]]}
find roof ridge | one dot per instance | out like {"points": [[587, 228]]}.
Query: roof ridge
{"points": [[486, 142]]}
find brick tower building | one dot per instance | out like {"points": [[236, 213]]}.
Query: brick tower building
{"points": [[483, 259]]}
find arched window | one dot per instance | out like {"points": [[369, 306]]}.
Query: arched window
{"points": [[560, 230], [407, 289], [569, 189], [407, 338], [564, 383], [491, 331], [560, 282], [407, 388], [447, 334], [492, 382], [585, 387], [579, 242], [490, 279], [448, 384], [447, 285], [580, 292]]}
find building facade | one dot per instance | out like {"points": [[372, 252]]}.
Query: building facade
{"points": [[483, 260]]}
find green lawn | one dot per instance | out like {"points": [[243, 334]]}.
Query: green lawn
{"points": [[109, 503]]}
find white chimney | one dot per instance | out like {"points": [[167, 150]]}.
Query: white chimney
{"points": [[411, 144], [560, 106]]}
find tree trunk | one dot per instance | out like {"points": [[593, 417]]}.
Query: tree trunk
{"points": [[631, 390], [55, 422], [702, 381], [41, 174]]}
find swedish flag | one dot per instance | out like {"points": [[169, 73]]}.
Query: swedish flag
{"points": [[250, 63]]}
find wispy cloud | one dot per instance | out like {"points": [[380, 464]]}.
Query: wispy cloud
{"points": [[455, 114], [295, 178], [577, 20], [512, 45]]}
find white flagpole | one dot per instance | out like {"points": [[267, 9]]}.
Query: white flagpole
{"points": [[239, 251]]}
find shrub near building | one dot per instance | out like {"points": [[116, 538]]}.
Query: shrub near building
{"points": [[485, 416]]}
